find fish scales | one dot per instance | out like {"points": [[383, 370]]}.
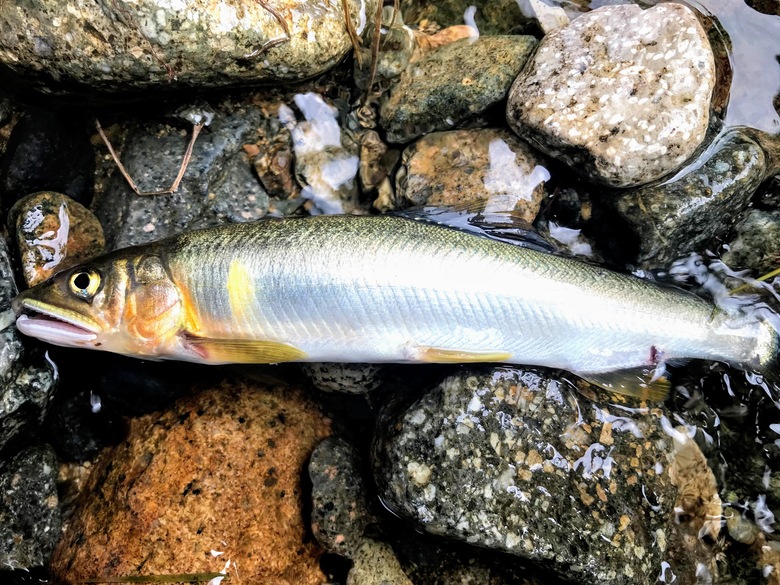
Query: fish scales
{"points": [[379, 289], [376, 289]]}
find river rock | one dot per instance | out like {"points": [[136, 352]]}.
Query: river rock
{"points": [[47, 151], [27, 380], [53, 232], [492, 17], [326, 157], [453, 84], [376, 564], [465, 166], [83, 47], [622, 94], [340, 510], [29, 511], [654, 225], [755, 242], [513, 460], [220, 471], [347, 378], [218, 185]]}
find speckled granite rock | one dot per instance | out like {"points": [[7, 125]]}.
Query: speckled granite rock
{"points": [[755, 242], [656, 224], [219, 471], [340, 511], [215, 187], [452, 84], [513, 460], [53, 232], [47, 151], [622, 94], [27, 381], [462, 166], [29, 512], [80, 46], [348, 378], [376, 564]]}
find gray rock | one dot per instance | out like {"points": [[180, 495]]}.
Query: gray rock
{"points": [[81, 46], [376, 564], [513, 460], [26, 380], [466, 166], [622, 94], [755, 242], [664, 221], [347, 378], [340, 511], [47, 152], [29, 513], [453, 84], [215, 187]]}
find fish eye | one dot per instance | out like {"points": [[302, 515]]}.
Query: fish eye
{"points": [[84, 283]]}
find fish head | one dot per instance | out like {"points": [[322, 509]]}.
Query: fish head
{"points": [[124, 302]]}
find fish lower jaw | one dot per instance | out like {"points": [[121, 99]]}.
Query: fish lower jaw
{"points": [[52, 330]]}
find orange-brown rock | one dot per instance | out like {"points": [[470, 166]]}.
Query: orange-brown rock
{"points": [[220, 471], [53, 232]]}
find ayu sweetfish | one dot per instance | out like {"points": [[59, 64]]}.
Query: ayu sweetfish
{"points": [[380, 289]]}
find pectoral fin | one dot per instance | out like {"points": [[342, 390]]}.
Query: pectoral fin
{"points": [[637, 382], [243, 351], [437, 355]]}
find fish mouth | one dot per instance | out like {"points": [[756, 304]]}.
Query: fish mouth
{"points": [[53, 324]]}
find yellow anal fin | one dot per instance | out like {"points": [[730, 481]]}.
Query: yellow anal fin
{"points": [[638, 383], [437, 355], [244, 351]]}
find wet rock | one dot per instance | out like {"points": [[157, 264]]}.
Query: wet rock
{"points": [[27, 381], [549, 17], [77, 46], [492, 17], [453, 84], [436, 561], [219, 471], [622, 94], [377, 161], [340, 511], [326, 159], [47, 151], [347, 378], [513, 460], [376, 564], [237, 195], [215, 187], [658, 223], [6, 111], [53, 232], [396, 47], [29, 512], [755, 242], [462, 166], [273, 158]]}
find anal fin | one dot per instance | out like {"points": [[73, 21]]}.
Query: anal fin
{"points": [[243, 351], [437, 355], [639, 383]]}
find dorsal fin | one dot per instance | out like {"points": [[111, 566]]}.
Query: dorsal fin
{"points": [[505, 226]]}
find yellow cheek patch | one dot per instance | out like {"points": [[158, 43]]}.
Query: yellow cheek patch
{"points": [[241, 289], [437, 355]]}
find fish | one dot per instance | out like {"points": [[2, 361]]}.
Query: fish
{"points": [[384, 289]]}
